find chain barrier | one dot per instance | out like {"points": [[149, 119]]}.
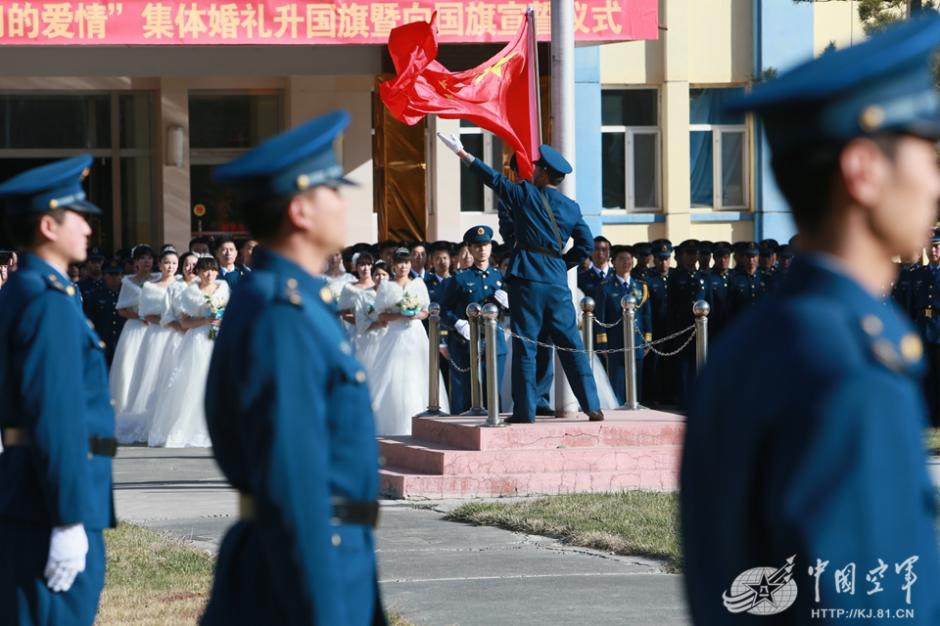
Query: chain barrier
{"points": [[643, 346], [603, 325], [614, 351]]}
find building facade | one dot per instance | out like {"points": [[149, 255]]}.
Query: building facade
{"points": [[655, 155]]}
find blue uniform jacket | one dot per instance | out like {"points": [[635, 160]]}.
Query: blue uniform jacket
{"points": [[236, 275], [903, 290], [607, 298], [683, 289], [817, 453], [590, 279], [532, 228], [293, 429], [656, 283], [54, 384], [927, 303], [744, 291], [470, 285], [716, 294]]}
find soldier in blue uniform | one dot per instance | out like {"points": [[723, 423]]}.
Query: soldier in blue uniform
{"points": [[705, 250], [608, 309], [481, 283], [601, 268], [746, 285], [440, 268], [716, 288], [643, 252], [101, 308], [910, 276], [926, 310], [539, 297], [767, 263], [56, 419], [685, 287], [814, 462], [287, 403], [656, 281], [91, 279]]}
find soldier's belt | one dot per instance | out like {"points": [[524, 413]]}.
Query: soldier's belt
{"points": [[540, 250], [98, 446], [359, 512]]}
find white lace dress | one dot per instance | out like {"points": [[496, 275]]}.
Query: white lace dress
{"points": [[399, 384], [367, 341], [348, 297], [179, 416], [133, 423], [128, 345]]}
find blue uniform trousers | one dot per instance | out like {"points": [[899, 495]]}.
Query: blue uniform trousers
{"points": [[25, 600], [616, 373], [460, 382], [545, 308]]}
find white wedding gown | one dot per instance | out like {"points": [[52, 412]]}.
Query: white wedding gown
{"points": [[399, 383], [133, 423], [179, 417], [367, 341], [128, 346]]}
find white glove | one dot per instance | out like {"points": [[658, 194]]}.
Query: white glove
{"points": [[463, 327], [452, 141], [502, 298], [68, 547]]}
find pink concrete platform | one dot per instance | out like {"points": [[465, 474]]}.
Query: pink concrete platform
{"points": [[457, 457]]}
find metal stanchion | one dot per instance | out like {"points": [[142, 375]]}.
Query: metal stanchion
{"points": [[434, 362], [628, 304], [490, 318], [587, 328], [700, 310], [476, 388]]}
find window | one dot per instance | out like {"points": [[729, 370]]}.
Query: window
{"points": [[115, 128], [221, 127], [630, 149], [474, 195], [718, 143]]}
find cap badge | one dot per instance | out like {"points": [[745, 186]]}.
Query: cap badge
{"points": [[871, 118]]}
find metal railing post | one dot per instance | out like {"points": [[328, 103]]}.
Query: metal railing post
{"points": [[628, 304], [434, 362], [490, 317], [476, 388], [700, 310], [587, 328]]}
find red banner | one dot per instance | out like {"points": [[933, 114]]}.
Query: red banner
{"points": [[271, 22]]}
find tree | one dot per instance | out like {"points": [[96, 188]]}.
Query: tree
{"points": [[876, 14]]}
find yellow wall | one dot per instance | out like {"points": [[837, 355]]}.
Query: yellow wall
{"points": [[720, 41], [836, 22]]}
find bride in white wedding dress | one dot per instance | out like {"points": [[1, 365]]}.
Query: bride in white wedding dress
{"points": [[400, 382], [179, 417]]}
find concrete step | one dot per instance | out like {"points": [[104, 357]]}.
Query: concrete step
{"points": [[398, 482], [430, 458], [620, 428]]}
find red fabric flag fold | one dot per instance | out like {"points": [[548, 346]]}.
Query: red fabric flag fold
{"points": [[498, 95]]}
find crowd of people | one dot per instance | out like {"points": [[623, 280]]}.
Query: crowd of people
{"points": [[158, 312]]}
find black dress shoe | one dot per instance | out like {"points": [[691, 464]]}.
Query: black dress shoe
{"points": [[517, 420], [595, 416], [545, 411]]}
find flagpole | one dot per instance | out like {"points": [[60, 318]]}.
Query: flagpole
{"points": [[563, 140], [534, 71]]}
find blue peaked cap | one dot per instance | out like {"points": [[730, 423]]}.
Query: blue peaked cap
{"points": [[293, 161], [885, 84], [553, 159], [478, 234], [56, 185]]}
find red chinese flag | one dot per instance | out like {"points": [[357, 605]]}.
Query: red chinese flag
{"points": [[499, 95]]}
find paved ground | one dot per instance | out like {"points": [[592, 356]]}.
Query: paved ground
{"points": [[432, 571]]}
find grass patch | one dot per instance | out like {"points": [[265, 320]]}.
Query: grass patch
{"points": [[642, 523], [157, 580], [152, 579], [933, 441]]}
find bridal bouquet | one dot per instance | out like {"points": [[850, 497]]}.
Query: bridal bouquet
{"points": [[216, 310], [409, 305]]}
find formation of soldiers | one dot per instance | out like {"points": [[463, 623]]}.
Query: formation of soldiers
{"points": [[916, 291]]}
